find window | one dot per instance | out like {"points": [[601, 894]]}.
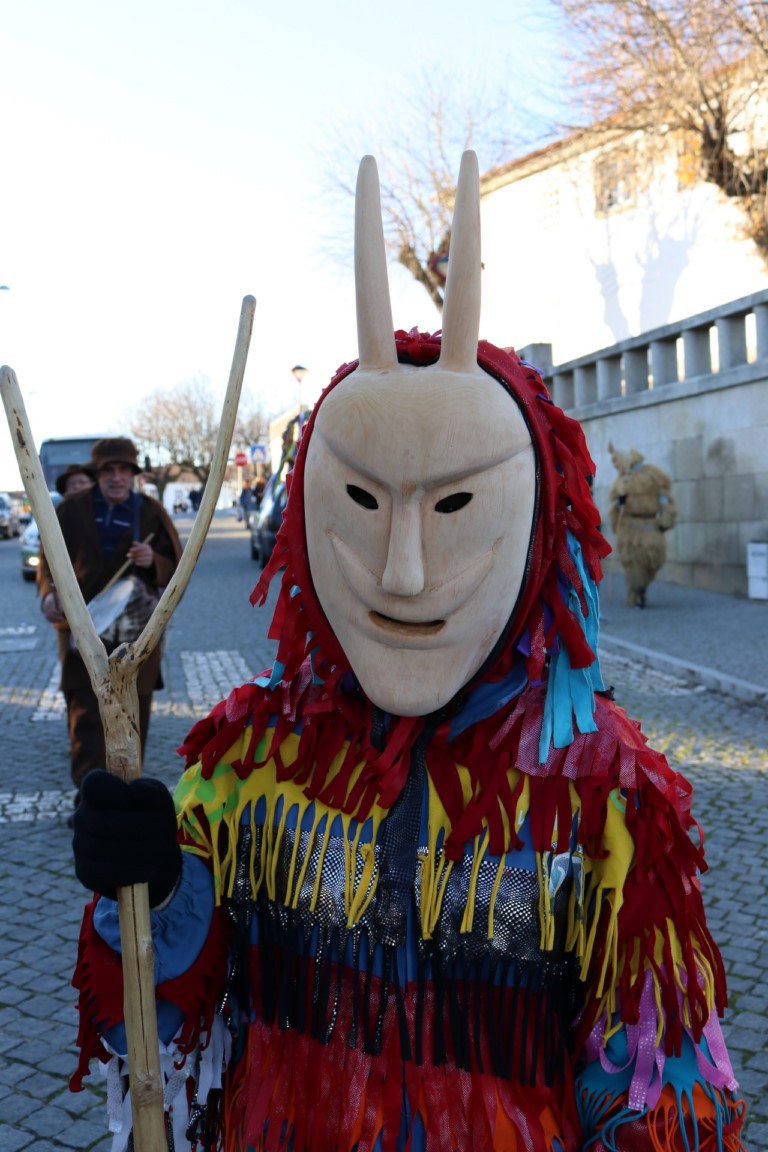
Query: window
{"points": [[615, 181]]}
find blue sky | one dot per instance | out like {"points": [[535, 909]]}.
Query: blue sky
{"points": [[162, 159]]}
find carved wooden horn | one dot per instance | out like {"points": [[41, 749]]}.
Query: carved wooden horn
{"points": [[375, 330], [461, 307]]}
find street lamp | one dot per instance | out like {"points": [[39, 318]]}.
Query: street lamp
{"points": [[298, 372]]}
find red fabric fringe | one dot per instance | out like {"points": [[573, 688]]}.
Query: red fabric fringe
{"points": [[315, 1096], [99, 980]]}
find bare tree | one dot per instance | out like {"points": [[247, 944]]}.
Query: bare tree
{"points": [[694, 67], [252, 426], [418, 151], [175, 430]]}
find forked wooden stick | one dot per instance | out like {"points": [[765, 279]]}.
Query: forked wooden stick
{"points": [[114, 682]]}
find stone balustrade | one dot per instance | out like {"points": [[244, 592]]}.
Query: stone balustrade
{"points": [[711, 343], [693, 398]]}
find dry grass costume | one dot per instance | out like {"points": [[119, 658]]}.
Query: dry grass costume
{"points": [[642, 510], [432, 891]]}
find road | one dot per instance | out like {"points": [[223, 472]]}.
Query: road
{"points": [[216, 640]]}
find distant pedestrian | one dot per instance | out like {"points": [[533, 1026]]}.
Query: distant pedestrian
{"points": [[257, 491], [642, 510], [75, 478], [246, 504]]}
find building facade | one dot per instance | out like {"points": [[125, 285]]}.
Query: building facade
{"points": [[598, 238]]}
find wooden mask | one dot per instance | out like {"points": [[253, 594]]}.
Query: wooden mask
{"points": [[420, 485]]}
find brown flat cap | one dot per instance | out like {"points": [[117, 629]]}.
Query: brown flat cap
{"points": [[115, 450]]}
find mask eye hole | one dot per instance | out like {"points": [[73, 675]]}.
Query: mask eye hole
{"points": [[361, 497], [453, 502]]}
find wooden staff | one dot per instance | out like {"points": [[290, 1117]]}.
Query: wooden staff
{"points": [[114, 682]]}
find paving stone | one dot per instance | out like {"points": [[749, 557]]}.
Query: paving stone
{"points": [[79, 1103], [753, 1086], [14, 1108], [12, 1073], [14, 1139], [38, 1084], [48, 1122], [82, 1134], [758, 1137], [11, 995], [746, 1034]]}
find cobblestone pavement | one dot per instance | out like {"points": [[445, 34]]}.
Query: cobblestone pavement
{"points": [[719, 641], [217, 640]]}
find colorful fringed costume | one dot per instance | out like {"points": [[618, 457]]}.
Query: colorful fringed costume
{"points": [[476, 930]]}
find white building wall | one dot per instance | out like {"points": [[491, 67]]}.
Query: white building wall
{"points": [[557, 272]]}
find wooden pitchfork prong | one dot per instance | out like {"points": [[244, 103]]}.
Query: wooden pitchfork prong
{"points": [[114, 682]]}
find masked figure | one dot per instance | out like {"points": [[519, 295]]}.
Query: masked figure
{"points": [[642, 511], [432, 889]]}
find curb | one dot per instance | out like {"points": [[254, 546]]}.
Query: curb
{"points": [[744, 690]]}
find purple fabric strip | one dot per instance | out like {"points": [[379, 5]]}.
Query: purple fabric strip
{"points": [[720, 1074], [648, 1059], [641, 1041]]}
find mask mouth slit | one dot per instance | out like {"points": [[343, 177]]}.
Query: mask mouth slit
{"points": [[427, 628]]}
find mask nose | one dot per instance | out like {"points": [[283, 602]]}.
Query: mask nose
{"points": [[404, 571]]}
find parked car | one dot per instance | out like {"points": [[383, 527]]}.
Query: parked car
{"points": [[30, 551], [30, 544], [266, 522], [9, 517]]}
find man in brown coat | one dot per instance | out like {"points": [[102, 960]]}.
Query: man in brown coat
{"points": [[103, 527]]}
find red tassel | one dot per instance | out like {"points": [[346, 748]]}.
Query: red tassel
{"points": [[98, 978]]}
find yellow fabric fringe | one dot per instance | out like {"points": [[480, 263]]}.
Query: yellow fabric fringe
{"points": [[225, 797]]}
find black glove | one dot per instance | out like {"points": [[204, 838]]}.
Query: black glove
{"points": [[126, 834]]}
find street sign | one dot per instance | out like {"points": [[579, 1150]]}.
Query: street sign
{"points": [[259, 453], [240, 459]]}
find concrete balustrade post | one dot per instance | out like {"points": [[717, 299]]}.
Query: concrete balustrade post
{"points": [[636, 369], [697, 352], [761, 330], [608, 377], [563, 390], [585, 385], [731, 341]]}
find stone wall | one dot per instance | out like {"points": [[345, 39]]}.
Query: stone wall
{"points": [[693, 398]]}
